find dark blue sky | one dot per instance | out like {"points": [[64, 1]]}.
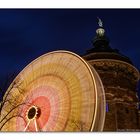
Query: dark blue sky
{"points": [[27, 34]]}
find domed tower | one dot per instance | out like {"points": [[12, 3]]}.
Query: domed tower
{"points": [[120, 78]]}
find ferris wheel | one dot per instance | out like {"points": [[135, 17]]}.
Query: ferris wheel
{"points": [[58, 91]]}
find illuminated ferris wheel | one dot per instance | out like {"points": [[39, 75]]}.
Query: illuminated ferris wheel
{"points": [[58, 91]]}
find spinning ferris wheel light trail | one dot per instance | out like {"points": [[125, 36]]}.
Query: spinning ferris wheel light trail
{"points": [[58, 91]]}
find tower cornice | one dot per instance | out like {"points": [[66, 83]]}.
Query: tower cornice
{"points": [[116, 64]]}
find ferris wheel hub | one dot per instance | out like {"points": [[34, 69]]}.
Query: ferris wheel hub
{"points": [[33, 113]]}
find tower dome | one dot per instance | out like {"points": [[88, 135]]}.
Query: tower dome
{"points": [[101, 48]]}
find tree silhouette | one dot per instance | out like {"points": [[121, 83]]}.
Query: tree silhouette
{"points": [[7, 114]]}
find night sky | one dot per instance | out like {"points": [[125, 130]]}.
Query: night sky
{"points": [[27, 34]]}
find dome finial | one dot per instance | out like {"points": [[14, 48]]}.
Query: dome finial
{"points": [[100, 22], [100, 31]]}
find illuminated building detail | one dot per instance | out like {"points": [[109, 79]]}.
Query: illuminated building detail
{"points": [[100, 31], [107, 107], [58, 91]]}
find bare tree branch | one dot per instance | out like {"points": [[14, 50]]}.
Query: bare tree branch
{"points": [[10, 119], [12, 101]]}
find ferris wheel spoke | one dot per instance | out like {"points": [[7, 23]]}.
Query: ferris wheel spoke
{"points": [[26, 126], [36, 125]]}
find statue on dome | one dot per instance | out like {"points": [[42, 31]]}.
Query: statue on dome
{"points": [[100, 22]]}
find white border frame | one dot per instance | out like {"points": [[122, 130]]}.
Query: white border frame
{"points": [[69, 4]]}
